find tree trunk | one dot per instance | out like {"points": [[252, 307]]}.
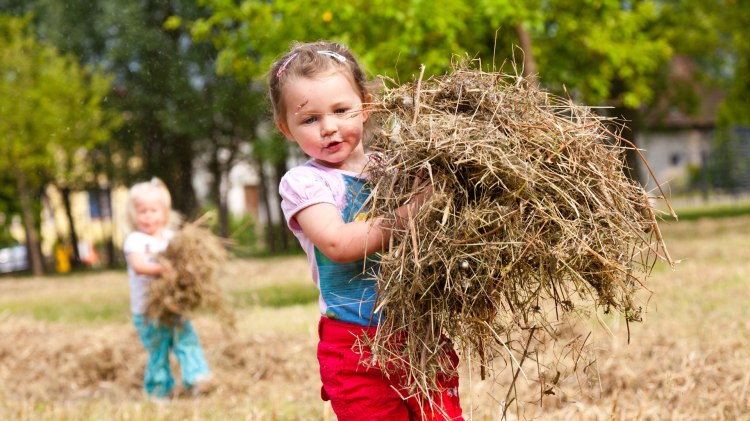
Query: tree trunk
{"points": [[76, 261], [270, 227], [218, 192], [104, 196], [171, 159], [280, 169], [529, 63], [29, 225], [223, 207], [182, 180]]}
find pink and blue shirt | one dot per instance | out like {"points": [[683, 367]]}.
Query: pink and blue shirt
{"points": [[348, 290]]}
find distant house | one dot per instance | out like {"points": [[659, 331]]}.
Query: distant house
{"points": [[244, 193], [674, 141]]}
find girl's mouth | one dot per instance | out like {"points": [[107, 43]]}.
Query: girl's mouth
{"points": [[332, 145]]}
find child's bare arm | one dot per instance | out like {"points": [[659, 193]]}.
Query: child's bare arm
{"points": [[347, 242], [340, 241], [143, 266]]}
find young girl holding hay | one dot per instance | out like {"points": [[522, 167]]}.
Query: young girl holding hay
{"points": [[319, 96], [149, 206]]}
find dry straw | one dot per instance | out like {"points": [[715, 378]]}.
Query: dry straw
{"points": [[531, 220], [195, 256]]}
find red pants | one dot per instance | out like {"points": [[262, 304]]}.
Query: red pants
{"points": [[360, 392]]}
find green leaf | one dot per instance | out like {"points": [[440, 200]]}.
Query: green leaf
{"points": [[172, 23]]}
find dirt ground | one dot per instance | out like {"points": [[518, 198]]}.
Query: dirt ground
{"points": [[688, 360]]}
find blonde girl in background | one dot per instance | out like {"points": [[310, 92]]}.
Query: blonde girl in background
{"points": [[149, 207], [319, 96]]}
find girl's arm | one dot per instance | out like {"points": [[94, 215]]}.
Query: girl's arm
{"points": [[348, 242], [340, 241], [143, 266]]}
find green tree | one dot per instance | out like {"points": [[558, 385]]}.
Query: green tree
{"points": [[177, 111], [50, 110], [714, 36], [733, 22], [389, 37], [606, 52], [8, 207]]}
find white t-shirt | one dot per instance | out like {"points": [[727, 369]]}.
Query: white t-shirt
{"points": [[139, 242]]}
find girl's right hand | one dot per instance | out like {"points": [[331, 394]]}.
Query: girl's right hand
{"points": [[421, 192], [167, 270]]}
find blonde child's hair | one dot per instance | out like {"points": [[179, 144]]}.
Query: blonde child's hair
{"points": [[310, 60], [139, 190]]}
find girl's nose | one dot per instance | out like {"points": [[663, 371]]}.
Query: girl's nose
{"points": [[327, 126]]}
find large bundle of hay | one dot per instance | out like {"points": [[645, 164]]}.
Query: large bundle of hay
{"points": [[531, 219], [194, 255]]}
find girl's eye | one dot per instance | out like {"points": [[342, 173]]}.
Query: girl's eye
{"points": [[309, 120], [340, 110]]}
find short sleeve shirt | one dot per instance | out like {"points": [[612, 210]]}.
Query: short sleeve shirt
{"points": [[139, 242], [347, 291]]}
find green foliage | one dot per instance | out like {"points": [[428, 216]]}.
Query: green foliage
{"points": [[50, 107], [276, 296], [726, 162], [714, 34], [694, 177], [243, 238], [603, 49], [243, 235], [711, 211], [83, 309], [391, 38], [8, 199], [72, 310], [96, 305], [51, 115], [736, 107], [177, 109], [730, 51], [6, 239]]}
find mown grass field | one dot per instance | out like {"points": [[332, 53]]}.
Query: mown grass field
{"points": [[69, 352]]}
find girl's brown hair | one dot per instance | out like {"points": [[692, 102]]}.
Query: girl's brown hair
{"points": [[310, 60]]}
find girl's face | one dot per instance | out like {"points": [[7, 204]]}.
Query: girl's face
{"points": [[325, 116], [150, 215]]}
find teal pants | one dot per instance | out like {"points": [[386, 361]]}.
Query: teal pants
{"points": [[159, 341]]}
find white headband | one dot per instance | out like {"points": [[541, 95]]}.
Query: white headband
{"points": [[333, 54]]}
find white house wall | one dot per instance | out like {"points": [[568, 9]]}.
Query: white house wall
{"points": [[670, 154]]}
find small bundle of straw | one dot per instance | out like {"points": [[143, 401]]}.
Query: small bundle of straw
{"points": [[194, 256], [531, 218]]}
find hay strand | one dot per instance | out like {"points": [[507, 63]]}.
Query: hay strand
{"points": [[531, 221], [195, 255]]}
